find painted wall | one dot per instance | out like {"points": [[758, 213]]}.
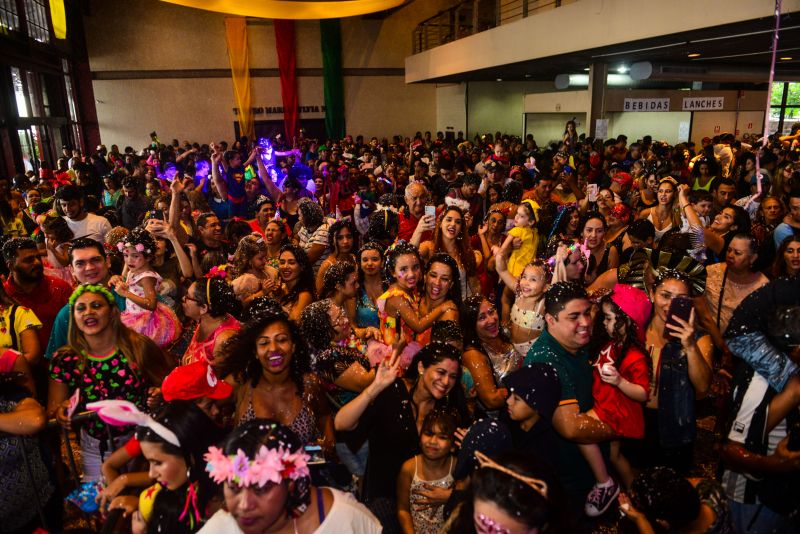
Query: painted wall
{"points": [[498, 106], [662, 126], [148, 35], [451, 107]]}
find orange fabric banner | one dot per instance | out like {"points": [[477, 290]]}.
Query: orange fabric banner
{"points": [[236, 38]]}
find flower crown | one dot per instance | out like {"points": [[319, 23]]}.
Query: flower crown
{"points": [[138, 247], [90, 288], [269, 465]]}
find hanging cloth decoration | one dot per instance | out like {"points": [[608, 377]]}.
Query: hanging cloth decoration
{"points": [[59, 18], [331, 41], [236, 38], [287, 62]]}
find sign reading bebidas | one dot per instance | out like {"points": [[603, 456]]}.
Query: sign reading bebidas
{"points": [[704, 103], [646, 104]]}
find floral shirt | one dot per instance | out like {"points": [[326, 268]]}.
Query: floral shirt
{"points": [[110, 377]]}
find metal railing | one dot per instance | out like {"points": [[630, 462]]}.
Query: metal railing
{"points": [[473, 16]]}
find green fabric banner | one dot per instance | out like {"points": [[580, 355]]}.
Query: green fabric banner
{"points": [[331, 41]]}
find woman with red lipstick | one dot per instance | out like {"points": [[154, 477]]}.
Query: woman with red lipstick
{"points": [[390, 412], [270, 364]]}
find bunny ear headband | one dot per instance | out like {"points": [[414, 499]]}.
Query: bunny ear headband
{"points": [[124, 413]]}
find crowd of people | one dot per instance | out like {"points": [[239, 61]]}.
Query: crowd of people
{"points": [[415, 335]]}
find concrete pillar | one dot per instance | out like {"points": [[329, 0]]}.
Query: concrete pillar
{"points": [[598, 74]]}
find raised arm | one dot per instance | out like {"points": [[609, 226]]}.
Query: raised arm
{"points": [[501, 263], [266, 179], [219, 182]]}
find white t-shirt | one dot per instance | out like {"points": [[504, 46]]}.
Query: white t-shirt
{"points": [[92, 226], [346, 516]]}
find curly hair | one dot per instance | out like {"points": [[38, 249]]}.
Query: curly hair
{"points": [[58, 227], [315, 324], [335, 275], [239, 354], [218, 295], [337, 227], [246, 250], [312, 213], [465, 251], [306, 280], [401, 248]]}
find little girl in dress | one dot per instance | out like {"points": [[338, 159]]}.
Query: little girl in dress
{"points": [[427, 475], [527, 312], [143, 311]]}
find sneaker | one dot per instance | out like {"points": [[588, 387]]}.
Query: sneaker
{"points": [[600, 498]]}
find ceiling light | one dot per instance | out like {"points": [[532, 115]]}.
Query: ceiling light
{"points": [[499, 79], [528, 75], [586, 69], [694, 54], [786, 58], [623, 69]]}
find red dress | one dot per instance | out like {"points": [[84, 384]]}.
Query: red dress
{"points": [[623, 414]]}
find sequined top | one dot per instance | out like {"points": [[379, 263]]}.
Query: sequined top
{"points": [[388, 322], [428, 519], [304, 424], [503, 363]]}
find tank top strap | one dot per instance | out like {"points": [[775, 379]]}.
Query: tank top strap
{"points": [[416, 464]]}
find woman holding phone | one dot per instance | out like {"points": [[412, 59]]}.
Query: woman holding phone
{"points": [[680, 372]]}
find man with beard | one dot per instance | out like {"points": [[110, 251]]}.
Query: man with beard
{"points": [[82, 223], [30, 287]]}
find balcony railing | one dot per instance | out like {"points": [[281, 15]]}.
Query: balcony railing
{"points": [[472, 16]]}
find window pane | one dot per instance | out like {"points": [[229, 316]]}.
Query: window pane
{"points": [[9, 20], [777, 93], [19, 93], [36, 15], [793, 97]]}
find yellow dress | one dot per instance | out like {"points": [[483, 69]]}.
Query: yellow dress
{"points": [[524, 254]]}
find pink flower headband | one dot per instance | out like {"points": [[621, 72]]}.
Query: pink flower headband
{"points": [[269, 465], [138, 247]]}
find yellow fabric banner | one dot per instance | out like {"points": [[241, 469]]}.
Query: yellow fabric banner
{"points": [[293, 9], [59, 18], [236, 37]]}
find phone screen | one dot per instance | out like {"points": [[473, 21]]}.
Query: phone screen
{"points": [[430, 210]]}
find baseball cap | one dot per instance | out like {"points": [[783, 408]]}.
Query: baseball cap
{"points": [[538, 385], [194, 381]]}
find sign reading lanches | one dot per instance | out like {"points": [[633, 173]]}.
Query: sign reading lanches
{"points": [[704, 103], [646, 104]]}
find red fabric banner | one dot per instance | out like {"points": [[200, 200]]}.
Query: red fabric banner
{"points": [[287, 62]]}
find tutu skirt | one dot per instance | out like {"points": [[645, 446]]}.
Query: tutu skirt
{"points": [[161, 325]]}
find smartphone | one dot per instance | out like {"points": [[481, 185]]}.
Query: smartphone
{"points": [[430, 210], [156, 214], [591, 192], [315, 451], [679, 307]]}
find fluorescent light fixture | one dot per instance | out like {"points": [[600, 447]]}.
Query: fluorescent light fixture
{"points": [[693, 54], [622, 70]]}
